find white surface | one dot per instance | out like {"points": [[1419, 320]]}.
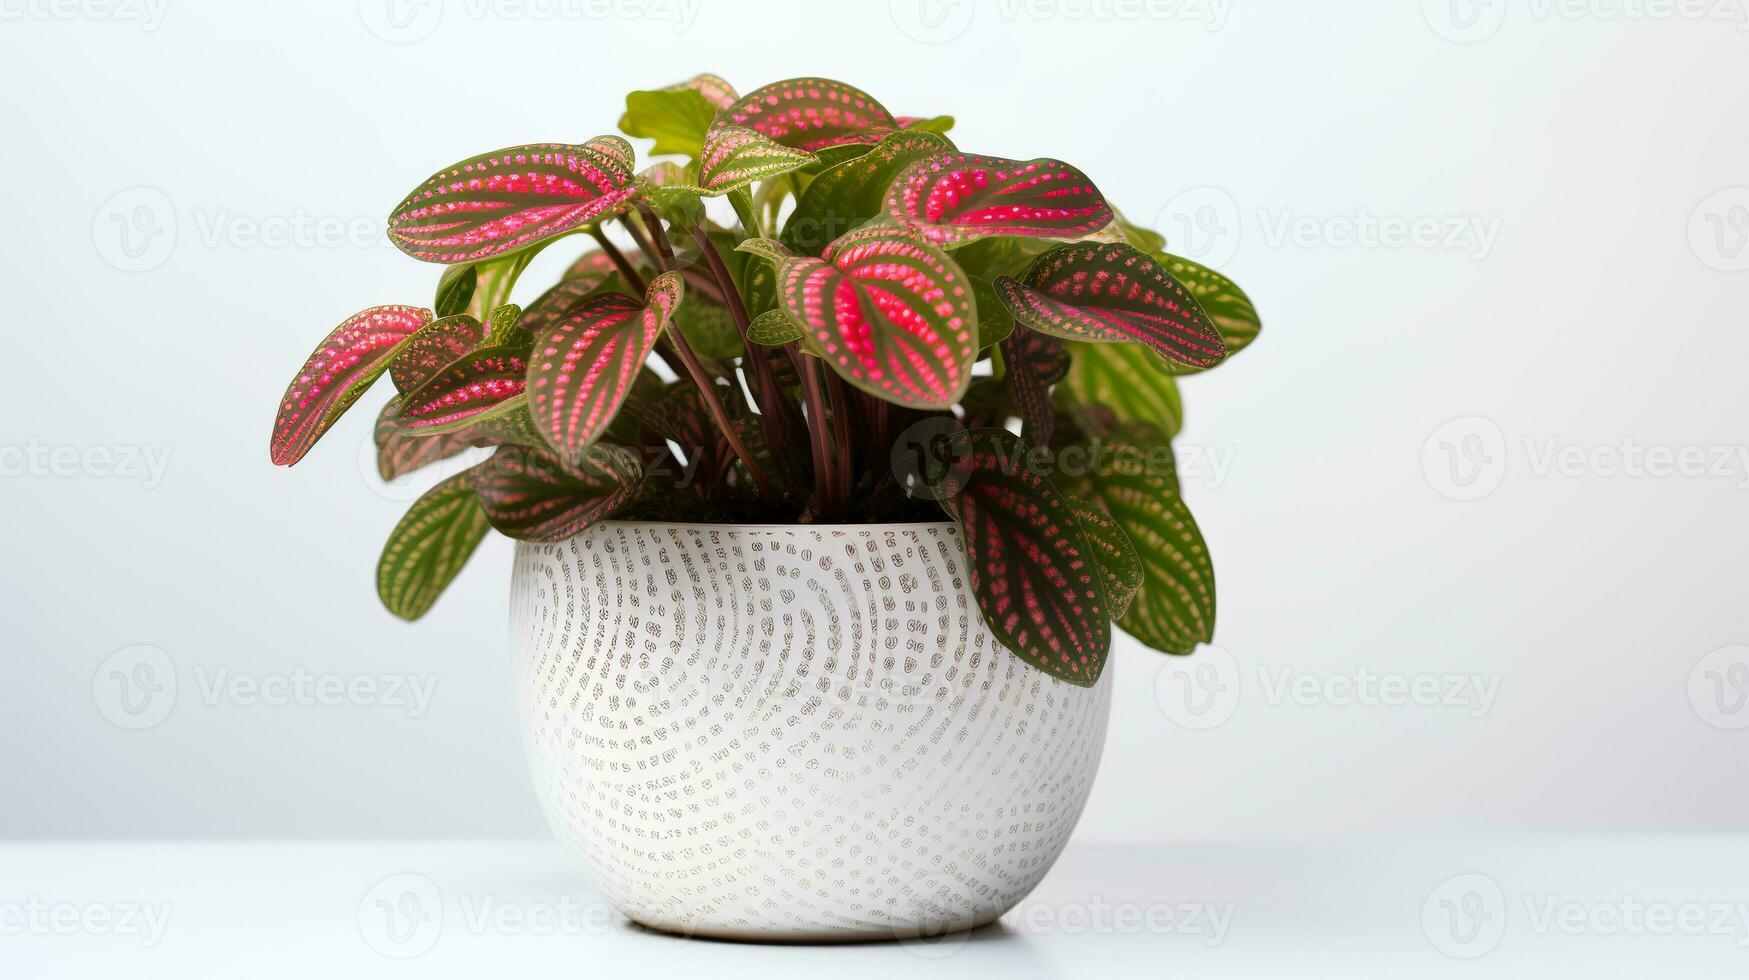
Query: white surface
{"points": [[517, 910], [1600, 312]]}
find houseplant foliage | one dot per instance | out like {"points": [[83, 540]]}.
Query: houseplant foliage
{"points": [[890, 329]]}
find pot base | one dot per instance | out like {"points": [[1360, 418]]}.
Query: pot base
{"points": [[792, 733]]}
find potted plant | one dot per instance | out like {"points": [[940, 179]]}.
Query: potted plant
{"points": [[826, 511]]}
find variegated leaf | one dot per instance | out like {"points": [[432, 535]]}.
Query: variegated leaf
{"points": [[715, 90], [511, 198], [848, 194], [401, 450], [1036, 578], [1233, 313], [810, 114], [433, 347], [483, 382], [774, 328], [735, 156], [1112, 293], [1174, 609], [342, 367], [892, 315], [954, 198], [1034, 363], [532, 495], [584, 366], [1130, 380], [1116, 554], [430, 545]]}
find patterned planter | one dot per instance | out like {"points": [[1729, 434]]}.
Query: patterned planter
{"points": [[792, 732]]}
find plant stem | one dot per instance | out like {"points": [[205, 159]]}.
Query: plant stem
{"points": [[629, 274], [840, 438], [708, 392], [774, 420], [664, 254], [817, 435]]}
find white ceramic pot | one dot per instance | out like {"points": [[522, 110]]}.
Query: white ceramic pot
{"points": [[791, 732]]}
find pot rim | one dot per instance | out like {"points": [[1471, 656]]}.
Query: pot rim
{"points": [[736, 526]]}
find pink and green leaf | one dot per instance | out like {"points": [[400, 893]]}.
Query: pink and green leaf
{"points": [[430, 545], [955, 197], [845, 196], [810, 114], [735, 156], [891, 314], [483, 383], [1111, 293], [1233, 313], [508, 199], [585, 365], [433, 347], [1115, 553], [341, 368], [532, 495], [1036, 578]]}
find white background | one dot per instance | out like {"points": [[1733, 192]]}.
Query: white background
{"points": [[1600, 305]]}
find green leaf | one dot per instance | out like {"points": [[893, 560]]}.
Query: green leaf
{"points": [[845, 196], [673, 193], [430, 545], [454, 288], [933, 124], [1112, 293], [1174, 609], [709, 329], [532, 495], [1036, 578], [1130, 380], [675, 118], [774, 328], [995, 323]]}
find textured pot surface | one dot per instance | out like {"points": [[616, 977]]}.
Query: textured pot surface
{"points": [[792, 732]]}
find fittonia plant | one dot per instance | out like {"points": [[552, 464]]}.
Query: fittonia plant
{"points": [[892, 330]]}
